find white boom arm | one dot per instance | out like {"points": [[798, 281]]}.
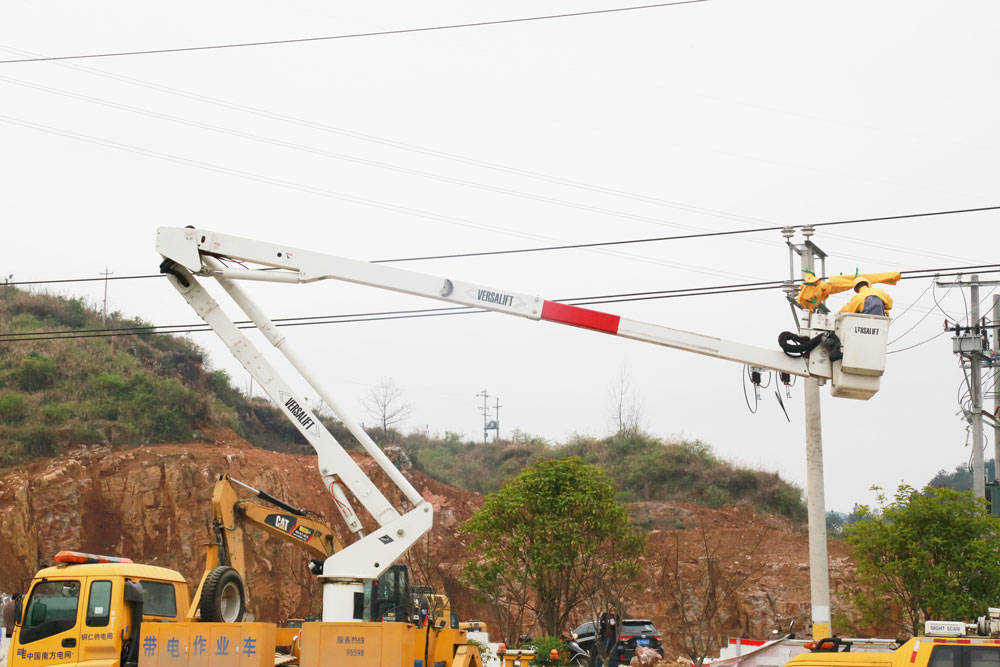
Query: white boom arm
{"points": [[189, 251], [185, 246]]}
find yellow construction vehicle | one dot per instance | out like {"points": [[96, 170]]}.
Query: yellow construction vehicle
{"points": [[222, 594], [102, 611], [943, 644], [88, 609], [119, 595]]}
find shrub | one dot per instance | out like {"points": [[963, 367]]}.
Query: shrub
{"points": [[220, 384], [543, 647], [38, 441], [57, 413], [13, 408], [715, 496], [111, 385], [79, 432], [35, 372]]}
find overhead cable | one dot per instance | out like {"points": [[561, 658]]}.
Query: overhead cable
{"points": [[572, 246], [698, 235], [904, 349], [376, 316], [356, 35]]}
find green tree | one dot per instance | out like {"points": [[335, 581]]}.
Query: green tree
{"points": [[550, 540], [923, 555]]}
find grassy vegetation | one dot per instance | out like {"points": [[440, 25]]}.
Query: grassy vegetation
{"points": [[125, 390], [135, 389], [642, 466], [122, 390]]}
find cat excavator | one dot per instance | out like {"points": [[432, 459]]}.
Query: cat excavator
{"points": [[222, 594]]}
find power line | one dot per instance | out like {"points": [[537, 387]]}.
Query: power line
{"points": [[302, 40], [698, 235], [378, 316], [904, 349], [381, 315], [572, 246], [78, 280], [918, 322]]}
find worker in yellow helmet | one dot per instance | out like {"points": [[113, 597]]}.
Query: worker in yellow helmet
{"points": [[868, 300]]}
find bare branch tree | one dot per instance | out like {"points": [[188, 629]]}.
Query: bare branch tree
{"points": [[702, 581], [606, 598], [386, 406], [626, 405]]}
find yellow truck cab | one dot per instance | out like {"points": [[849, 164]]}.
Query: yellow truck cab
{"points": [[944, 644], [83, 610]]}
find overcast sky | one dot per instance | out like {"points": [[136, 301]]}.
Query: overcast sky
{"points": [[711, 116]]}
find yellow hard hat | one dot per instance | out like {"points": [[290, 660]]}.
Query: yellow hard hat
{"points": [[859, 281]]}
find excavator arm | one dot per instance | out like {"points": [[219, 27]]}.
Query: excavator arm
{"points": [[230, 514]]}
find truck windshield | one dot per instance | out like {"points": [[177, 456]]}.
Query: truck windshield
{"points": [[965, 656], [51, 609]]}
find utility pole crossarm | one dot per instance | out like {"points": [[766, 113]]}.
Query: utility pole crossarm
{"points": [[186, 246]]}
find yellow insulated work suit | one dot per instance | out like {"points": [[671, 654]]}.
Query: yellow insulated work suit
{"points": [[815, 291], [857, 302]]}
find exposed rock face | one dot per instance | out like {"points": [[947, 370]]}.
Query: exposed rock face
{"points": [[152, 504], [766, 552]]}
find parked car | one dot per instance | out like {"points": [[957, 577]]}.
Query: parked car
{"points": [[634, 632]]}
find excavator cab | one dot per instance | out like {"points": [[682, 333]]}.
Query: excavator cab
{"points": [[390, 598]]}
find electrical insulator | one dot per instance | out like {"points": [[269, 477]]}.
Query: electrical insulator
{"points": [[755, 379], [786, 379]]}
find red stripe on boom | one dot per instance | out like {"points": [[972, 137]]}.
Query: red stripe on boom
{"points": [[580, 317]]}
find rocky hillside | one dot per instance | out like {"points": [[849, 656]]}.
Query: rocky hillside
{"points": [[151, 503]]}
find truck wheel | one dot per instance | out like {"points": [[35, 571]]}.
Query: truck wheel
{"points": [[222, 597]]}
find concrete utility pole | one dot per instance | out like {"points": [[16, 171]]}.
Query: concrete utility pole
{"points": [[996, 391], [496, 409], [106, 273], [819, 568], [976, 370], [485, 410], [969, 347]]}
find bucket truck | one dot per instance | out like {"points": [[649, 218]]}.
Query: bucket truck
{"points": [[189, 254]]}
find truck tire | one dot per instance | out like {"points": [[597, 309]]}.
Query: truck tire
{"points": [[222, 596]]}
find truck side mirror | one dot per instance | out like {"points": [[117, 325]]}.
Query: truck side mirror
{"points": [[132, 592], [19, 603]]}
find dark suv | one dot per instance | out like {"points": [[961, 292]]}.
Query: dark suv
{"points": [[634, 632]]}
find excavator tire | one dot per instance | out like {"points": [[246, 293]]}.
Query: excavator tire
{"points": [[222, 596]]}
